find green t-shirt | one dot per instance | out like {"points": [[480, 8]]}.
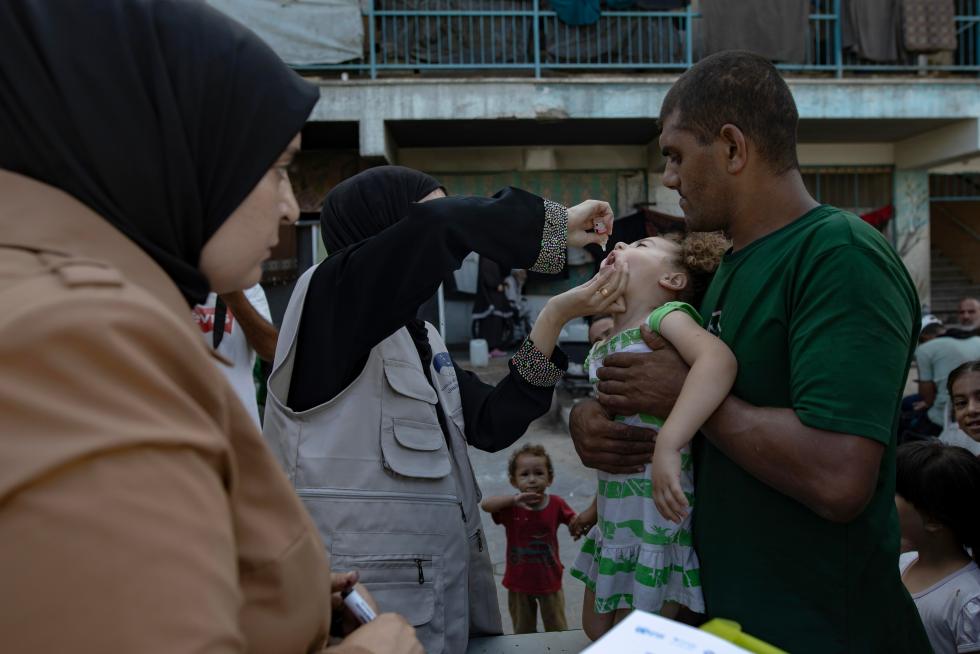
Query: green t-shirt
{"points": [[822, 317]]}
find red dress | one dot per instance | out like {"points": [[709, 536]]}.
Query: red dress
{"points": [[533, 565]]}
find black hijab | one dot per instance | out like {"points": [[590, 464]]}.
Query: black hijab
{"points": [[370, 202], [160, 115]]}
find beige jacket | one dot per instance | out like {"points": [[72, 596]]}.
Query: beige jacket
{"points": [[140, 510]]}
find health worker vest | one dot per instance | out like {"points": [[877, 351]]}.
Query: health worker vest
{"points": [[393, 496]]}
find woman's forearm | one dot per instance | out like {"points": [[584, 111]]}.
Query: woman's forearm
{"points": [[363, 294], [547, 328]]}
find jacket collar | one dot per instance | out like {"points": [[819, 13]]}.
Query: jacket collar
{"points": [[39, 217]]}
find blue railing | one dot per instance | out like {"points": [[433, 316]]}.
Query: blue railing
{"points": [[524, 36]]}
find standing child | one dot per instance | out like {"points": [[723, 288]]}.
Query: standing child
{"points": [[964, 396], [639, 555], [937, 493], [531, 517]]}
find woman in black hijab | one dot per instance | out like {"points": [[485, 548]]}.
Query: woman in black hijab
{"points": [[363, 292], [370, 415], [143, 154]]}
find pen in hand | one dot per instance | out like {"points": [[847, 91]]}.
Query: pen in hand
{"points": [[357, 605]]}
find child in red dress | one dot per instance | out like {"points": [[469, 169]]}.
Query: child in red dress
{"points": [[531, 517]]}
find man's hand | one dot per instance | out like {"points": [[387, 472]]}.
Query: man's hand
{"points": [[642, 382], [608, 445]]}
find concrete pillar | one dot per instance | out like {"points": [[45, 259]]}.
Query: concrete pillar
{"points": [[910, 228], [375, 143]]}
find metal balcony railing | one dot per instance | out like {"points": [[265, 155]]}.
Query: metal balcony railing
{"points": [[522, 36]]}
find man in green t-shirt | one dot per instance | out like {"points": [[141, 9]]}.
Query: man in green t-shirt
{"points": [[795, 526]]}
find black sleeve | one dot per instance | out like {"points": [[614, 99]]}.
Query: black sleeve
{"points": [[496, 416], [363, 294]]}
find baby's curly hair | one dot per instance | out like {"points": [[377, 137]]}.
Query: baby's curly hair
{"points": [[701, 254], [531, 449]]}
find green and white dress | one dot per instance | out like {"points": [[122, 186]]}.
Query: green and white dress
{"points": [[634, 558]]}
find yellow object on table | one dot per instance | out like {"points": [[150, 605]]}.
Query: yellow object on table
{"points": [[732, 632]]}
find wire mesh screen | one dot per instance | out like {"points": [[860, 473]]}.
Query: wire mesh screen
{"points": [[450, 33], [859, 189]]}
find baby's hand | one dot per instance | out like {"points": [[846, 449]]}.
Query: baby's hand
{"points": [[667, 492], [601, 294], [527, 500], [579, 526]]}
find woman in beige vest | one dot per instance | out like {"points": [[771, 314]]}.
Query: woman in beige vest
{"points": [[367, 411], [144, 146]]}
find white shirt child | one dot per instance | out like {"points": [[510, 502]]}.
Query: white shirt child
{"points": [[950, 608], [235, 347]]}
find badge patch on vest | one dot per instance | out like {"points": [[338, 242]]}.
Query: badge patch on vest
{"points": [[442, 360], [443, 364]]}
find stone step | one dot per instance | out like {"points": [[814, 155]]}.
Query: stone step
{"points": [[950, 282], [947, 264], [950, 297], [949, 286]]}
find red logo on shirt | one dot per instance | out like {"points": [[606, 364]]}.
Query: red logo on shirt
{"points": [[204, 316]]}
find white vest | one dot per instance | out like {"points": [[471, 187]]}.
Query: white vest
{"points": [[393, 497]]}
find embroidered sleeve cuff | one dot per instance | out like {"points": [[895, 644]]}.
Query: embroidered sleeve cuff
{"points": [[534, 367], [554, 239]]}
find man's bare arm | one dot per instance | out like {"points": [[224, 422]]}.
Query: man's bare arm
{"points": [[927, 390], [833, 474], [259, 332]]}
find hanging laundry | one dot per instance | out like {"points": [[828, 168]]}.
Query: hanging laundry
{"points": [[928, 25], [448, 39], [613, 40], [775, 29], [872, 29], [576, 12], [579, 13], [661, 5]]}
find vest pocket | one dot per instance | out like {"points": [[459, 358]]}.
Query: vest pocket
{"points": [[408, 584], [414, 449], [409, 381], [412, 442], [408, 394]]}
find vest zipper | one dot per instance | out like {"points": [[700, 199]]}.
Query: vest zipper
{"points": [[418, 563], [461, 511], [378, 495], [479, 540]]}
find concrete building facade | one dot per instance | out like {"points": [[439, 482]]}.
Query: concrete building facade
{"points": [[868, 141]]}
